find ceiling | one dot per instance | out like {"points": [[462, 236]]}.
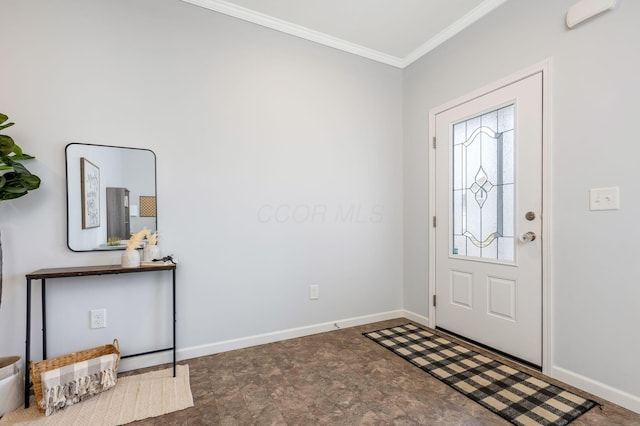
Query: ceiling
{"points": [[394, 32]]}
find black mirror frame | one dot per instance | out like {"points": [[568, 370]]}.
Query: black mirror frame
{"points": [[155, 187]]}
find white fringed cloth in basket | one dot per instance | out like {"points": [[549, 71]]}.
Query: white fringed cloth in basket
{"points": [[73, 383]]}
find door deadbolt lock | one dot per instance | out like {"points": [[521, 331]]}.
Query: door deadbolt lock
{"points": [[530, 216]]}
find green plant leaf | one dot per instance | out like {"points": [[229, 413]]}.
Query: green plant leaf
{"points": [[6, 144], [15, 187], [4, 195], [20, 169], [31, 182], [4, 126], [6, 160], [2, 181], [3, 118], [22, 157], [17, 150]]}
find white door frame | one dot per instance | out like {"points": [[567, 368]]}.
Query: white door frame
{"points": [[547, 319]]}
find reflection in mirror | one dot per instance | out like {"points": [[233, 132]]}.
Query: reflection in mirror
{"points": [[111, 193]]}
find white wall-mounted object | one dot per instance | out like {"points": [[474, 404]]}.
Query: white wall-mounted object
{"points": [[586, 9], [314, 292], [98, 318], [604, 198]]}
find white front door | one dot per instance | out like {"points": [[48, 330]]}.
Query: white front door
{"points": [[488, 203]]}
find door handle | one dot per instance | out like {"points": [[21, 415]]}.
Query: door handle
{"points": [[527, 237]]}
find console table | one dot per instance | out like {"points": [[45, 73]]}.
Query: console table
{"points": [[84, 271]]}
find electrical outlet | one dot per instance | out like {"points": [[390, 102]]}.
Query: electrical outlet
{"points": [[314, 292], [98, 318]]}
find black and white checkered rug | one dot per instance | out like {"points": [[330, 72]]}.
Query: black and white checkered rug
{"points": [[513, 395]]}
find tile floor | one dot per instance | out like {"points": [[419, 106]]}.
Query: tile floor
{"points": [[335, 378]]}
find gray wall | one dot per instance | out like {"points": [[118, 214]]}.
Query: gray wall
{"points": [[279, 166], [595, 96]]}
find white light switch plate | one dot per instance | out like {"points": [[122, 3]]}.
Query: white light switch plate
{"points": [[604, 198]]}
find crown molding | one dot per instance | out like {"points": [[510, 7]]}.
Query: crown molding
{"points": [[249, 15], [475, 14], [264, 20]]}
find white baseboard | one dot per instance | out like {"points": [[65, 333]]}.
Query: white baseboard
{"points": [[420, 319], [259, 339], [601, 390]]}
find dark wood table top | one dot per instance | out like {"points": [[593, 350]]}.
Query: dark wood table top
{"points": [[79, 271]]}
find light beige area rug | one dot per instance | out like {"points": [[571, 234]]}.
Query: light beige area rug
{"points": [[133, 398]]}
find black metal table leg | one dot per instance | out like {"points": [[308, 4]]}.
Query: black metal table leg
{"points": [[27, 355], [174, 322], [44, 321]]}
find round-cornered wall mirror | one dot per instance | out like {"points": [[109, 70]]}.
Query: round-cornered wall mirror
{"points": [[111, 193]]}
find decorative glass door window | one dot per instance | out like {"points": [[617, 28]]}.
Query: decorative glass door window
{"points": [[483, 186]]}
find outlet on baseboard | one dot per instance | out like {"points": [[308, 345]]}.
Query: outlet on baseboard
{"points": [[314, 292], [98, 318]]}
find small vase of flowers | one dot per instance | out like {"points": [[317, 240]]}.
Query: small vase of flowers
{"points": [[131, 256], [151, 251]]}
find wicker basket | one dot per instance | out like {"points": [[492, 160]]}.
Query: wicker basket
{"points": [[37, 368]]}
